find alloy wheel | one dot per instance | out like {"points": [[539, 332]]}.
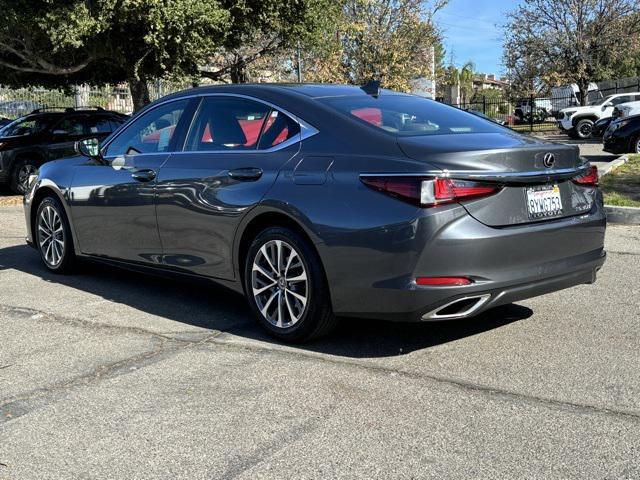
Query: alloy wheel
{"points": [[51, 236], [279, 283], [585, 129], [23, 176]]}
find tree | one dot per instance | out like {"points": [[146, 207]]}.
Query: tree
{"points": [[264, 32], [462, 77], [568, 41], [102, 41], [387, 40]]}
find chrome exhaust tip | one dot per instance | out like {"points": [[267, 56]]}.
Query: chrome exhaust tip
{"points": [[460, 308]]}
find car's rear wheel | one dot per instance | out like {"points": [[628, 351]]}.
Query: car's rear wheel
{"points": [[53, 236], [584, 128], [635, 145], [286, 286], [20, 174]]}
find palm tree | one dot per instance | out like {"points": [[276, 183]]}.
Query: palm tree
{"points": [[463, 78]]}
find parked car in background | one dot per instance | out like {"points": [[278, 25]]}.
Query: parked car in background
{"points": [[17, 108], [578, 121], [541, 109], [487, 117], [567, 96], [48, 134], [623, 136], [601, 126], [320, 201], [628, 109]]}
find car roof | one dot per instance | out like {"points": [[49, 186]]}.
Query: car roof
{"points": [[313, 90]]}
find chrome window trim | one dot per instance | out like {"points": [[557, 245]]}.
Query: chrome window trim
{"points": [[306, 129]]}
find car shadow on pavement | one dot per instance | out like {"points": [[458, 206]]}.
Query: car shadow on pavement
{"points": [[207, 305]]}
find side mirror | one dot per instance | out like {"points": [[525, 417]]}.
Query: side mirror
{"points": [[89, 147]]}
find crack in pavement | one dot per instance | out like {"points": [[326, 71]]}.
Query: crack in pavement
{"points": [[38, 315], [16, 406], [439, 379], [224, 338]]}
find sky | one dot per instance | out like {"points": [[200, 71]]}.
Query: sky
{"points": [[472, 32]]}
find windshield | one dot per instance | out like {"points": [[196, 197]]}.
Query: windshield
{"points": [[408, 115], [25, 126]]}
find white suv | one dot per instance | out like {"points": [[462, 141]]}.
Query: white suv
{"points": [[578, 121]]}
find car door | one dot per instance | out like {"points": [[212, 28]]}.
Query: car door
{"points": [[232, 155], [113, 204]]}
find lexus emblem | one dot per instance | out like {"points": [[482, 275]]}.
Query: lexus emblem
{"points": [[549, 160]]}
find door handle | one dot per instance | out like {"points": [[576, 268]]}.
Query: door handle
{"points": [[145, 175], [250, 174]]}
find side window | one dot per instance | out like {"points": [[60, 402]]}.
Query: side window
{"points": [[116, 122], [150, 133], [71, 126], [622, 99], [99, 125], [227, 124], [277, 129]]}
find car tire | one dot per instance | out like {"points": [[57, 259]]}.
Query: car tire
{"points": [[52, 236], [572, 133], [290, 296], [635, 145], [584, 128], [20, 173]]}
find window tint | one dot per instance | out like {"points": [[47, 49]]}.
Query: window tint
{"points": [[406, 115], [72, 126], [116, 122], [150, 133], [25, 126], [99, 125], [277, 129], [227, 124]]}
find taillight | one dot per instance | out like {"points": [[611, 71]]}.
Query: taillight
{"points": [[429, 192], [589, 179]]}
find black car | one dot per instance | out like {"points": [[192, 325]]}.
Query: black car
{"points": [[48, 134], [4, 122], [623, 136], [601, 126]]}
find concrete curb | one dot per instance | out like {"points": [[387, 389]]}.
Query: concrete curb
{"points": [[613, 165], [624, 215]]}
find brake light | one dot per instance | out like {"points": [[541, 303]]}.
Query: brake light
{"points": [[429, 192], [589, 179], [443, 281]]}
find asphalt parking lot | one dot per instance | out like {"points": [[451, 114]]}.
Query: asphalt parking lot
{"points": [[110, 374]]}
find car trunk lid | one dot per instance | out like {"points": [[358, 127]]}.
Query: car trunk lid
{"points": [[536, 175]]}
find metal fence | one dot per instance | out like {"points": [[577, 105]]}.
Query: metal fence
{"points": [[15, 103], [538, 114]]}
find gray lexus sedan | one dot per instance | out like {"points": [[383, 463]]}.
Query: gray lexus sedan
{"points": [[318, 201]]}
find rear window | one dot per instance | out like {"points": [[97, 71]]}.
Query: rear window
{"points": [[407, 115]]}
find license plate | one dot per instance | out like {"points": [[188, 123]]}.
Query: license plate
{"points": [[544, 201]]}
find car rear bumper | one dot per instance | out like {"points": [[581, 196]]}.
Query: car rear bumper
{"points": [[506, 265]]}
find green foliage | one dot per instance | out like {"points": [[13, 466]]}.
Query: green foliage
{"points": [[550, 42], [389, 40]]}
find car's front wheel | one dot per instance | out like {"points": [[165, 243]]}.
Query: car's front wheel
{"points": [[635, 145], [20, 174], [584, 128], [53, 236], [286, 286]]}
